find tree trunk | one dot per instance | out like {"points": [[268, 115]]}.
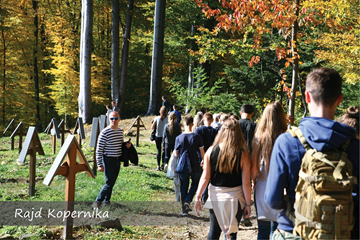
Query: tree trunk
{"points": [[295, 65], [4, 77], [115, 83], [85, 61], [36, 71], [157, 58], [125, 53]]}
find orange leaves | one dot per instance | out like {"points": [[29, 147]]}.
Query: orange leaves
{"points": [[254, 59]]}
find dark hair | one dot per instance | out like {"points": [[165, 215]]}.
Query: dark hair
{"points": [[324, 84], [108, 106], [351, 118], [188, 119], [163, 97], [175, 106], [247, 108]]}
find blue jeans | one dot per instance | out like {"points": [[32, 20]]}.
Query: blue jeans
{"points": [[187, 196], [266, 229], [215, 230], [111, 170]]}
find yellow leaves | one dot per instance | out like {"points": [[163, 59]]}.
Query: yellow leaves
{"points": [[287, 64]]}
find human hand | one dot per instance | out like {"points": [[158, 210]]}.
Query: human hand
{"points": [[197, 205], [247, 211], [101, 169]]}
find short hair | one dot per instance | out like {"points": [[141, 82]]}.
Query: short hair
{"points": [[216, 116], [163, 97], [324, 84], [208, 116], [114, 112], [113, 102], [188, 119], [108, 106], [175, 106], [247, 108]]}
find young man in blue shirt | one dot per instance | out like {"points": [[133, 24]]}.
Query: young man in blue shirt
{"points": [[323, 95]]}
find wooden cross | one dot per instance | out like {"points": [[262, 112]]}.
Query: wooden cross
{"points": [[79, 130], [139, 123], [53, 129], [68, 169], [32, 145], [63, 131], [10, 127], [19, 131]]}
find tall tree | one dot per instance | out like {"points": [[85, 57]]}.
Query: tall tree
{"points": [[115, 83], [85, 61], [125, 52], [157, 57], [35, 65]]}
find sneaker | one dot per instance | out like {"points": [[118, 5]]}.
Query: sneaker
{"points": [[158, 168], [187, 206], [106, 203], [165, 168], [184, 213], [162, 168], [96, 205]]}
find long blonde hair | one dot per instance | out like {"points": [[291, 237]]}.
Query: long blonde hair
{"points": [[272, 123], [172, 120], [233, 144]]}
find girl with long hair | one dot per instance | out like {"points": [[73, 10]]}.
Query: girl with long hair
{"points": [[227, 167], [272, 123], [160, 122], [172, 130]]}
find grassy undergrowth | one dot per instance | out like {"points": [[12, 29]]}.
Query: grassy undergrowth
{"points": [[135, 183]]}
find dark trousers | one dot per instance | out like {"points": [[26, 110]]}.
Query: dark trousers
{"points": [[168, 149], [111, 170], [187, 196], [160, 155], [266, 229], [215, 230]]}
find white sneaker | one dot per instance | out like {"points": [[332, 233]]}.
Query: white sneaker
{"points": [[165, 168]]}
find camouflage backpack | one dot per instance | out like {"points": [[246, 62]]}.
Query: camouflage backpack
{"points": [[323, 201]]}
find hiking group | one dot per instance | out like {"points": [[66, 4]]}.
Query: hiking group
{"points": [[304, 178]]}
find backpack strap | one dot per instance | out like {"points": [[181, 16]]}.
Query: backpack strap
{"points": [[296, 132]]}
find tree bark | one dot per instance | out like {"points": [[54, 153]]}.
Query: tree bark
{"points": [[295, 65], [115, 83], [36, 71], [157, 58], [85, 61], [125, 53]]}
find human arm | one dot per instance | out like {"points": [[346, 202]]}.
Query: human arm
{"points": [[153, 124], [245, 177], [202, 153], [254, 163], [100, 147], [204, 180]]}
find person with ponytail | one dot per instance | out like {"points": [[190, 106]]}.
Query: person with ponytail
{"points": [[172, 130], [160, 122]]}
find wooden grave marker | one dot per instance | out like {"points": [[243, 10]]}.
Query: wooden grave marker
{"points": [[79, 130], [95, 131], [68, 169], [63, 131], [32, 145], [53, 129], [139, 123], [10, 128], [19, 131], [103, 121]]}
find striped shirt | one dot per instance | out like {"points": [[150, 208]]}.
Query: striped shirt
{"points": [[109, 144]]}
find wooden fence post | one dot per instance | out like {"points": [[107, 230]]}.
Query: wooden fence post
{"points": [[139, 123]]}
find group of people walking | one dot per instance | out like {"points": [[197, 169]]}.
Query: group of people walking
{"points": [[227, 152]]}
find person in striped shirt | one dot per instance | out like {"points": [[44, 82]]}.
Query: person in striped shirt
{"points": [[108, 157]]}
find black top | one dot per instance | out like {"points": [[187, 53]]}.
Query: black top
{"points": [[223, 179], [170, 138], [248, 129]]}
